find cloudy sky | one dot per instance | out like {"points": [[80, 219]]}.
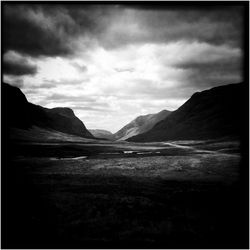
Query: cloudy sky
{"points": [[112, 63]]}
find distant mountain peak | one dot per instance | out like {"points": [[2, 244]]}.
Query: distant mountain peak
{"points": [[212, 113], [102, 134], [19, 113], [140, 125]]}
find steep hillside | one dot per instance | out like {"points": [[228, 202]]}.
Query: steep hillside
{"points": [[19, 113], [212, 113], [101, 133], [140, 125]]}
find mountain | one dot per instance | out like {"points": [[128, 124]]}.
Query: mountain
{"points": [[213, 113], [19, 113], [101, 133], [140, 125]]}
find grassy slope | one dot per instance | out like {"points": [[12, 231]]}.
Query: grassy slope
{"points": [[209, 114], [182, 198]]}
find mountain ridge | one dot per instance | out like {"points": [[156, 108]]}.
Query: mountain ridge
{"points": [[140, 125], [102, 134], [20, 113], [207, 114]]}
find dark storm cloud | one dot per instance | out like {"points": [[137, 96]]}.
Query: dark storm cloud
{"points": [[213, 75], [24, 34], [52, 30], [213, 25], [203, 74], [164, 5], [47, 30], [18, 68]]}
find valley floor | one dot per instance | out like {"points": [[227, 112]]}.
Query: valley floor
{"points": [[100, 194]]}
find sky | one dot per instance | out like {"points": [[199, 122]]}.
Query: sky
{"points": [[113, 62]]}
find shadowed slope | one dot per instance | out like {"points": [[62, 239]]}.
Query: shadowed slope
{"points": [[19, 113], [212, 113]]}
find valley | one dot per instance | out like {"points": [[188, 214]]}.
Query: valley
{"points": [[80, 192], [166, 180]]}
